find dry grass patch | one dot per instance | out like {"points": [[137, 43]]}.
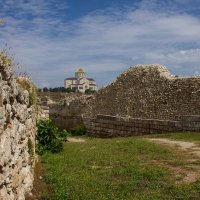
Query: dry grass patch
{"points": [[101, 167]]}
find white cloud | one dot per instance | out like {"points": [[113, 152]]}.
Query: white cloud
{"points": [[102, 41]]}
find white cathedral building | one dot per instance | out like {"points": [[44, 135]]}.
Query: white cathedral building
{"points": [[80, 82]]}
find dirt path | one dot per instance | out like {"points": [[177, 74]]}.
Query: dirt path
{"points": [[190, 147], [190, 171], [76, 140]]}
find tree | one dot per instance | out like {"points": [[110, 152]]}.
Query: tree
{"points": [[68, 90], [89, 91], [45, 89]]}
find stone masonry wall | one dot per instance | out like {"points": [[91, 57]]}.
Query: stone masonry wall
{"points": [[111, 126], [66, 116], [17, 135], [148, 92], [66, 112]]}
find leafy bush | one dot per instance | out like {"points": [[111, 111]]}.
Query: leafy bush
{"points": [[62, 135], [39, 149], [56, 146], [78, 130], [48, 137]]}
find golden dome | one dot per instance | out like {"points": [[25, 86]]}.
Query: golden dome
{"points": [[80, 70]]}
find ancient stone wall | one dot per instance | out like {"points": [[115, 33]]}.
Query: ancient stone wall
{"points": [[148, 92], [66, 116], [17, 134], [66, 111], [111, 126]]}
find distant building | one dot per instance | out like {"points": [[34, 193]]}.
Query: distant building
{"points": [[80, 82]]}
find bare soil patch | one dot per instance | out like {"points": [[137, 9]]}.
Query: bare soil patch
{"points": [[76, 140], [40, 187], [120, 178], [190, 147], [101, 167], [188, 173]]}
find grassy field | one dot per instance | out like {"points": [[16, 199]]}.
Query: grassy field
{"points": [[120, 169]]}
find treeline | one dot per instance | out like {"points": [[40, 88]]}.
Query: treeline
{"points": [[62, 89], [56, 89]]}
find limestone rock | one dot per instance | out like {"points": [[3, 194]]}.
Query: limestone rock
{"points": [[17, 125], [148, 91]]}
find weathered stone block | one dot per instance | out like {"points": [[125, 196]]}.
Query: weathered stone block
{"points": [[190, 118]]}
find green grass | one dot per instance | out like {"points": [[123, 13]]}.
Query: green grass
{"points": [[186, 136], [117, 169]]}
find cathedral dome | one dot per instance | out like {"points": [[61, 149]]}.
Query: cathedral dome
{"points": [[80, 70]]}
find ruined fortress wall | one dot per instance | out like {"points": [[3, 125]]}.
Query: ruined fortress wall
{"points": [[66, 116], [66, 111], [111, 126], [148, 92], [17, 136]]}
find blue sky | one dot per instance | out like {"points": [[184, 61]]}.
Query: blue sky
{"points": [[50, 39]]}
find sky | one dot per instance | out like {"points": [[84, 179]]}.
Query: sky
{"points": [[51, 39]]}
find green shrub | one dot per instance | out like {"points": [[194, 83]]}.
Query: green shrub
{"points": [[78, 130], [39, 149], [62, 135], [48, 137], [56, 146]]}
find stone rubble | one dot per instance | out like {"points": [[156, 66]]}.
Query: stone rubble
{"points": [[148, 92]]}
